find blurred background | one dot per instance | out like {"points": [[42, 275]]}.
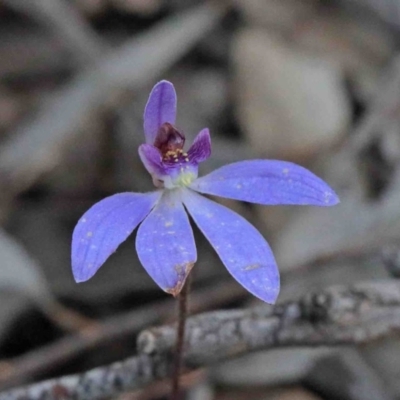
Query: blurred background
{"points": [[316, 82]]}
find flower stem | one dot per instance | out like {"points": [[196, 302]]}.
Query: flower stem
{"points": [[183, 298]]}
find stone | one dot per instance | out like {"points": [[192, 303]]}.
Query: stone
{"points": [[361, 45], [290, 104]]}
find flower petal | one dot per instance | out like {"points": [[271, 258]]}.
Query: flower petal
{"points": [[242, 249], [151, 159], [165, 243], [104, 227], [200, 150], [267, 182], [160, 108]]}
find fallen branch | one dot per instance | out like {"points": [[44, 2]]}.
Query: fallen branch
{"points": [[340, 315], [36, 363]]}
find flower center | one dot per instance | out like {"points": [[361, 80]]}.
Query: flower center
{"points": [[179, 171], [169, 140], [176, 156]]}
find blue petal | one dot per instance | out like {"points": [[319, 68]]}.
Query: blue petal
{"points": [[151, 159], [200, 150], [165, 243], [104, 227], [242, 249], [160, 108], [267, 182]]}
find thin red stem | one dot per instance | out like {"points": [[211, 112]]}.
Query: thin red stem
{"points": [[183, 298]]}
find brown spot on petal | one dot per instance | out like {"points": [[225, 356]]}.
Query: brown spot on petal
{"points": [[183, 271], [157, 182], [251, 267]]}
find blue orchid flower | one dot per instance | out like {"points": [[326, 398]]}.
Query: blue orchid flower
{"points": [[165, 242]]}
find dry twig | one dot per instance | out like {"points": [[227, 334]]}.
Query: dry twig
{"points": [[339, 315], [40, 361]]}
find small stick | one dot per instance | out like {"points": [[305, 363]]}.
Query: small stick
{"points": [[183, 298]]}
